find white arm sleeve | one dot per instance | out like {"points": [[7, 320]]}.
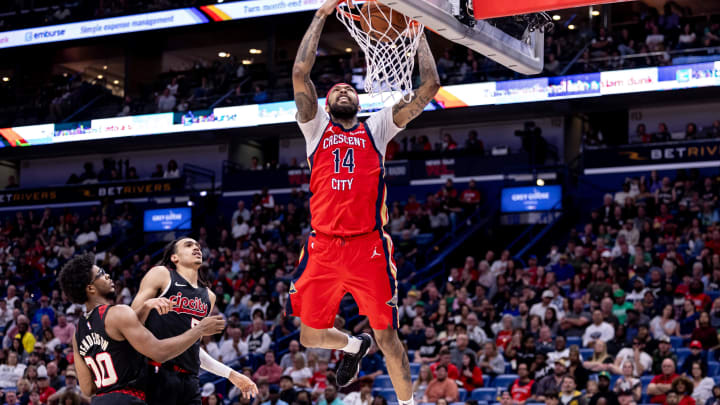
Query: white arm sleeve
{"points": [[211, 365]]}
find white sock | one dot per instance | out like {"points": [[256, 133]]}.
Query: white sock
{"points": [[408, 402], [353, 345]]}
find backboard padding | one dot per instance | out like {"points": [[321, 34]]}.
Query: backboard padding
{"points": [[484, 9]]}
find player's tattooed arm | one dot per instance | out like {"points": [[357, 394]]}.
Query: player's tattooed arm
{"points": [[404, 112], [305, 93]]}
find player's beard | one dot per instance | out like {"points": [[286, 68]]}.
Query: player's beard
{"points": [[110, 295], [343, 111]]}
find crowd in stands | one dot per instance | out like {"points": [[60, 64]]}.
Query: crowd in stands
{"points": [[626, 311], [117, 170], [664, 134], [595, 138]]}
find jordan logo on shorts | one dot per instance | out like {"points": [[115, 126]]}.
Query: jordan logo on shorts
{"points": [[293, 290], [375, 253]]}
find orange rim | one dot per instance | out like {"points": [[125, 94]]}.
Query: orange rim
{"points": [[412, 23], [350, 15]]}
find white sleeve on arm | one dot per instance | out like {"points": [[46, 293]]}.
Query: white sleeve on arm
{"points": [[382, 128], [211, 365], [313, 129]]}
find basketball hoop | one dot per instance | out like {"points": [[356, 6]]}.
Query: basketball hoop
{"points": [[389, 41]]}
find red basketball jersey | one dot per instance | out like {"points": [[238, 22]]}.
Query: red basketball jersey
{"points": [[347, 187]]}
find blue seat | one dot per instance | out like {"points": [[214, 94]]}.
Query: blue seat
{"points": [[676, 342], [713, 295], [389, 395], [462, 394], [484, 394], [713, 368], [573, 340], [382, 381], [682, 354], [508, 368], [503, 380], [411, 354], [415, 368], [645, 380], [717, 379], [586, 354]]}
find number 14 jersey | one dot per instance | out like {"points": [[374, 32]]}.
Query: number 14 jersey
{"points": [[115, 365], [347, 173]]}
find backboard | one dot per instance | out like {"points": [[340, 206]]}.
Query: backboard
{"points": [[449, 19]]}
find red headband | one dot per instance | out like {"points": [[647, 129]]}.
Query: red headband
{"points": [[327, 97]]}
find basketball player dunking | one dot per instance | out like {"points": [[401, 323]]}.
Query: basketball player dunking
{"points": [[348, 250], [175, 382], [110, 340]]}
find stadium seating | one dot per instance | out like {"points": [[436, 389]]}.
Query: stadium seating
{"points": [[484, 394], [462, 393], [503, 380], [382, 382]]}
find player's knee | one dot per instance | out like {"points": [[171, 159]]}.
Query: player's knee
{"points": [[388, 342]]}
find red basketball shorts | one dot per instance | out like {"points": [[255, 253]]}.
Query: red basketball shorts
{"points": [[332, 266]]}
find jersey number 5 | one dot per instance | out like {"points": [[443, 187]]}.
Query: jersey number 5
{"points": [[348, 161], [103, 369]]}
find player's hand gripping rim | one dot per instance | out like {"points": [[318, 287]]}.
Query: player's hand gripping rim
{"points": [[330, 5]]}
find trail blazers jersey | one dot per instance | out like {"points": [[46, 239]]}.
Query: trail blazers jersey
{"points": [[190, 306]]}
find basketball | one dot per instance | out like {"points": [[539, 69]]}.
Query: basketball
{"points": [[377, 18]]}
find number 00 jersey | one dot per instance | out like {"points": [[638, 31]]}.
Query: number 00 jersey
{"points": [[115, 365], [190, 306], [347, 170]]}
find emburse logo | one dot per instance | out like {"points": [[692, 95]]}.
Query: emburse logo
{"points": [[30, 36]]}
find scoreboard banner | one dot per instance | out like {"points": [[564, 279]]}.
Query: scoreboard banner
{"points": [[154, 21], [89, 192], [103, 27], [652, 154], [448, 97]]}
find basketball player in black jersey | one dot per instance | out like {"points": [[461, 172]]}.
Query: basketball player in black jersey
{"points": [[175, 382], [110, 340]]}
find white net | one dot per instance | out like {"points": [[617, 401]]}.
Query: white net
{"points": [[389, 46]]}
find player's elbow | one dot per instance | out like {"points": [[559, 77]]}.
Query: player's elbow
{"points": [[299, 71], [88, 389]]}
